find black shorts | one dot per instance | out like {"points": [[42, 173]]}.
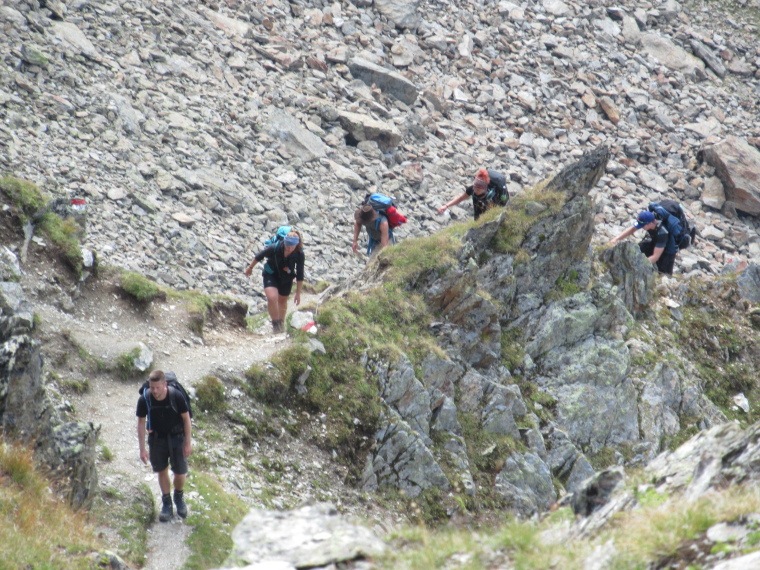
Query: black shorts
{"points": [[283, 288], [665, 263], [160, 454]]}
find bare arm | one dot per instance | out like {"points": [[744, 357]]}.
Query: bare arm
{"points": [[249, 269], [141, 440], [656, 254], [187, 448], [383, 234], [355, 243], [461, 198], [624, 234]]}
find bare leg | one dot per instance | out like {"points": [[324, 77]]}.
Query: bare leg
{"points": [[282, 303], [179, 482], [164, 482], [272, 302]]}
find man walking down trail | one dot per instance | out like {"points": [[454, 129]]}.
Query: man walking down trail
{"points": [[169, 438], [488, 189], [659, 246], [378, 229]]}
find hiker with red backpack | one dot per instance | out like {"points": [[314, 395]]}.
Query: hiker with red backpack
{"points": [[164, 414], [285, 262], [379, 217], [487, 190]]}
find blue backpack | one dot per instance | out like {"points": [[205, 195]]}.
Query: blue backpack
{"points": [[279, 235]]}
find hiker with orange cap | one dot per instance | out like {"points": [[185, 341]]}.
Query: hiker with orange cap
{"points": [[488, 189]]}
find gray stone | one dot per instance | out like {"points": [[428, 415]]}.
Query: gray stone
{"points": [[386, 80], [737, 163], [713, 194], [526, 484], [298, 140], [312, 536], [144, 358], [748, 283], [669, 54], [364, 127], [403, 13]]}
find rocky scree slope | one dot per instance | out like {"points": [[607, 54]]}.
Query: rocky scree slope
{"points": [[193, 130]]}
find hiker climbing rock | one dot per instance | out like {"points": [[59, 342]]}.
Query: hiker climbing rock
{"points": [[164, 415], [488, 189], [377, 226], [659, 245], [284, 263]]}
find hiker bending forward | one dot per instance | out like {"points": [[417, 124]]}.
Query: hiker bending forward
{"points": [[378, 229], [284, 263], [488, 189], [659, 246], [169, 439]]}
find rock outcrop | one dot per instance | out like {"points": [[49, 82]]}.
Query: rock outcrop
{"points": [[26, 412]]}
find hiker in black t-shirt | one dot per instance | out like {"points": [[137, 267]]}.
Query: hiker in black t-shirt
{"points": [[488, 189], [285, 261], [659, 246], [169, 439]]}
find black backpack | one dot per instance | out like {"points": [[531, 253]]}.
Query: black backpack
{"points": [[175, 389], [685, 233], [497, 195]]}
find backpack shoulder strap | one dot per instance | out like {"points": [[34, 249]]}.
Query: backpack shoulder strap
{"points": [[173, 399], [146, 397]]}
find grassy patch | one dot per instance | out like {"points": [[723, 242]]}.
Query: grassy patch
{"points": [[213, 516], [199, 307], [566, 286], [210, 393], [125, 364], [38, 530], [65, 235], [139, 287], [81, 386], [26, 195], [130, 514], [518, 221]]}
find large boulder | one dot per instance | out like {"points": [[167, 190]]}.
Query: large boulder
{"points": [[387, 80], [736, 163], [310, 537]]}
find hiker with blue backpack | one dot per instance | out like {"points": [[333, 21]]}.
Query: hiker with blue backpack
{"points": [[284, 264], [668, 232], [487, 190], [379, 217], [163, 412]]}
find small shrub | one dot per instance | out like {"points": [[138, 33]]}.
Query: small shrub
{"points": [[106, 454], [26, 195], [125, 364], [65, 236], [139, 287], [81, 386], [210, 393]]}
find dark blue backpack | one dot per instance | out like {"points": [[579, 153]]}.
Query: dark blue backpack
{"points": [[674, 219]]}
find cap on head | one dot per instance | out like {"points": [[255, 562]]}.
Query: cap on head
{"points": [[481, 180], [365, 214], [644, 219]]}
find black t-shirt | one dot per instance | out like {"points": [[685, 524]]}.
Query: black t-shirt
{"points": [[283, 267], [662, 238], [163, 419]]}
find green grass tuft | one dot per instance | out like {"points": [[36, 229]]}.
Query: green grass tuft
{"points": [[139, 287], [26, 195], [210, 393]]}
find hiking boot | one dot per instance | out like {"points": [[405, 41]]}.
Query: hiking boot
{"points": [[179, 501], [166, 510], [278, 326]]}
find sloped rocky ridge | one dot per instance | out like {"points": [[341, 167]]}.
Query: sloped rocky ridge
{"points": [[195, 130]]}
